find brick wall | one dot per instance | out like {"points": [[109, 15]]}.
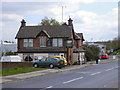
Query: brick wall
{"points": [[20, 44], [15, 64], [36, 42], [81, 43]]}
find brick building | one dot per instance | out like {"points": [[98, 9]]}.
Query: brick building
{"points": [[46, 41]]}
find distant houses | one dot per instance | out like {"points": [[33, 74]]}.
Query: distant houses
{"points": [[101, 46]]}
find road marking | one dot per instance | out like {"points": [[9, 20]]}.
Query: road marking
{"points": [[109, 69], [83, 72], [104, 85], [72, 80], [95, 73], [49, 87], [116, 67]]}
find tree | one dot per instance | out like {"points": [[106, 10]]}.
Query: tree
{"points": [[91, 51], [95, 50], [49, 22], [114, 44]]}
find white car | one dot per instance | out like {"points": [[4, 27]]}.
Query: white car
{"points": [[11, 59]]}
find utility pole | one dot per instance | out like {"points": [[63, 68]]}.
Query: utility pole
{"points": [[62, 12]]}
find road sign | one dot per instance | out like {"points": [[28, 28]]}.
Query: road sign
{"points": [[111, 50]]}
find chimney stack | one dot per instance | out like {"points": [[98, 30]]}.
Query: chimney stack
{"points": [[23, 23], [70, 22]]}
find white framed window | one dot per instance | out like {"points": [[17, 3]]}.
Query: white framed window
{"points": [[28, 42], [25, 42], [55, 42], [60, 43], [42, 41]]}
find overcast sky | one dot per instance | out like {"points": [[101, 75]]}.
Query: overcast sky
{"points": [[97, 20]]}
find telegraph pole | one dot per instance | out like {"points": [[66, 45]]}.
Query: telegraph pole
{"points": [[62, 12]]}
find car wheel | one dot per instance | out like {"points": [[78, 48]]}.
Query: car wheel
{"points": [[35, 65], [51, 66]]}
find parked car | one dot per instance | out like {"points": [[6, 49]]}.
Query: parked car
{"points": [[11, 58], [49, 62], [105, 56], [62, 58]]}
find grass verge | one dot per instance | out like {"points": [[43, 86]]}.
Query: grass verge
{"points": [[16, 70]]}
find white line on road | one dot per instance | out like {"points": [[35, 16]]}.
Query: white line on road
{"points": [[95, 73], [72, 80], [49, 87], [109, 69], [104, 85], [116, 67]]}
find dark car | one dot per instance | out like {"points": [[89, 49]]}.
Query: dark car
{"points": [[49, 62]]}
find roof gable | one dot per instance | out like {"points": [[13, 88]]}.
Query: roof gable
{"points": [[44, 32], [81, 36]]}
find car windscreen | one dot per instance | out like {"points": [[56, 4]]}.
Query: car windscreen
{"points": [[63, 57]]}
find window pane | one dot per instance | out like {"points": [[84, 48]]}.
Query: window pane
{"points": [[30, 42], [42, 42], [60, 43], [54, 42], [25, 42], [49, 43]]}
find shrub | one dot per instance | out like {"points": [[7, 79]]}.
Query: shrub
{"points": [[91, 52]]}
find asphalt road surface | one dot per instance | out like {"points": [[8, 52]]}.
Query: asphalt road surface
{"points": [[100, 76]]}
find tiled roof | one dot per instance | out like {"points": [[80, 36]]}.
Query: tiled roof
{"points": [[52, 31], [81, 36], [77, 36]]}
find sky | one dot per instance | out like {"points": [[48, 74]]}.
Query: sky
{"points": [[97, 20]]}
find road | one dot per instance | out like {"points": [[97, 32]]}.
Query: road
{"points": [[99, 76]]}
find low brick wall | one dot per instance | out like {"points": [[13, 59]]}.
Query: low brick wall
{"points": [[15, 64]]}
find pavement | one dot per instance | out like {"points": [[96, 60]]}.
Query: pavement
{"points": [[24, 76]]}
